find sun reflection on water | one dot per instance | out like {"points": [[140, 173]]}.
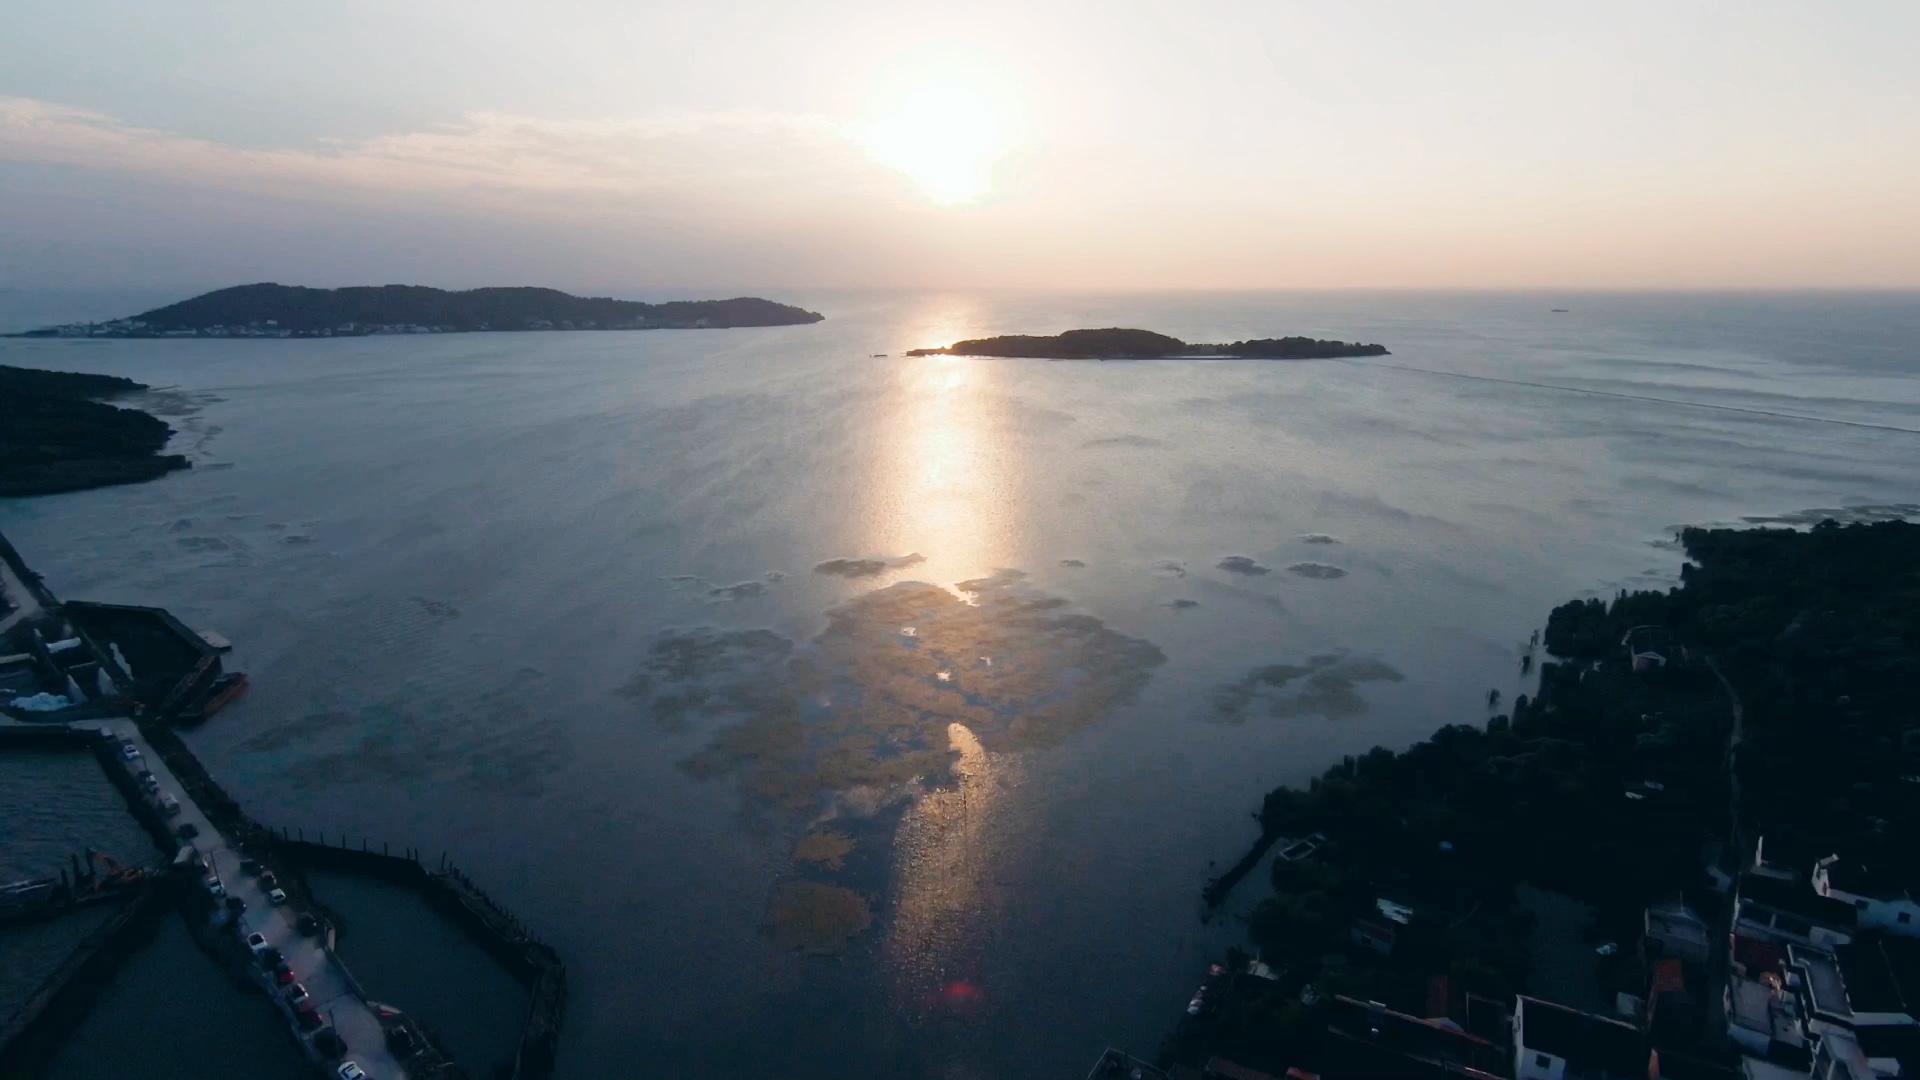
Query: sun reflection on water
{"points": [[943, 485], [949, 495], [942, 858]]}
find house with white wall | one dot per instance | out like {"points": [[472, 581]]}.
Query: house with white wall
{"points": [[1883, 897], [1790, 913]]}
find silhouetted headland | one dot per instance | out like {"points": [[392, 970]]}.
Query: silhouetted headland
{"points": [[55, 435], [1115, 343], [270, 310]]}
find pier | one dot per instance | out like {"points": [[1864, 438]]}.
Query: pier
{"points": [[333, 991], [127, 725]]}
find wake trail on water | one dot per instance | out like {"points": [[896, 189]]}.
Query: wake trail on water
{"points": [[1639, 397]]}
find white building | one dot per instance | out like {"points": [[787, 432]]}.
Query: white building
{"points": [[1789, 913], [1881, 900]]}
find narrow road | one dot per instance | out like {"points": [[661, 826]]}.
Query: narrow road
{"points": [[1733, 749], [1717, 959], [319, 971]]}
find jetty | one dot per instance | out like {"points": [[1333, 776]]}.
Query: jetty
{"points": [[114, 680]]}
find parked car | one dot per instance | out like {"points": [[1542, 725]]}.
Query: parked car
{"points": [[308, 925], [214, 888], [349, 1071], [276, 897], [236, 905], [270, 957], [249, 866], [149, 782], [329, 1043], [284, 976], [258, 943], [297, 994], [187, 830], [169, 805], [307, 1018], [268, 880], [129, 752]]}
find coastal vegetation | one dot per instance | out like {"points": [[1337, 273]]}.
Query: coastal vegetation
{"points": [[271, 310], [1612, 785], [1116, 343], [55, 435]]}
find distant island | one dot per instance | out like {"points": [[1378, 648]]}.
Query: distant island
{"points": [[283, 311], [1115, 343], [56, 436]]}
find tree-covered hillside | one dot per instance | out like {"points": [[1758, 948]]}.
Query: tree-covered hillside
{"points": [[300, 311]]}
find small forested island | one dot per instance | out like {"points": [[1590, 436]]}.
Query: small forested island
{"points": [[1116, 343], [55, 435], [1719, 754], [282, 311]]}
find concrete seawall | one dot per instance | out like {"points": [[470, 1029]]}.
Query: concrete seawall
{"points": [[230, 849], [504, 937], [36, 1030]]}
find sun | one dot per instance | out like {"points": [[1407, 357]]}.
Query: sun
{"points": [[946, 139]]}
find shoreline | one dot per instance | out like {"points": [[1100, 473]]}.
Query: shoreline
{"points": [[58, 433], [221, 859], [1608, 789]]}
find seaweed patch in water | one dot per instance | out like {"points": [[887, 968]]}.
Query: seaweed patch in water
{"points": [[1327, 688], [1240, 564], [1319, 570], [816, 918], [826, 849], [741, 591], [868, 705], [689, 674], [865, 568]]}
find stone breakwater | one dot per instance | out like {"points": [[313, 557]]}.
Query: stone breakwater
{"points": [[504, 937], [30, 1036]]}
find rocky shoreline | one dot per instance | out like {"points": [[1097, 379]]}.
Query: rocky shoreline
{"points": [[57, 435]]}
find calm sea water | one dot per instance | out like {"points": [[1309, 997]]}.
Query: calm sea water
{"points": [[702, 649]]}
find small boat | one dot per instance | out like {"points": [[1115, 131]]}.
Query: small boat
{"points": [[215, 640], [1559, 311], [223, 691]]}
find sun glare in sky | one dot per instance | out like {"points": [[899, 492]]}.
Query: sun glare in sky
{"points": [[946, 138]]}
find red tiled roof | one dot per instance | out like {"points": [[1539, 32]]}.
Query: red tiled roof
{"points": [[1668, 977], [1758, 957]]}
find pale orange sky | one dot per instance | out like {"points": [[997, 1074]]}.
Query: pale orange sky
{"points": [[1129, 144]]}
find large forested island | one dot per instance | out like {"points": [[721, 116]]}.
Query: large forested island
{"points": [[55, 435], [270, 310], [1117, 343]]}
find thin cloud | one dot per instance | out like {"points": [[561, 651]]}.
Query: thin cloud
{"points": [[703, 155]]}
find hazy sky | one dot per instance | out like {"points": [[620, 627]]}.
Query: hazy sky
{"points": [[1123, 143]]}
